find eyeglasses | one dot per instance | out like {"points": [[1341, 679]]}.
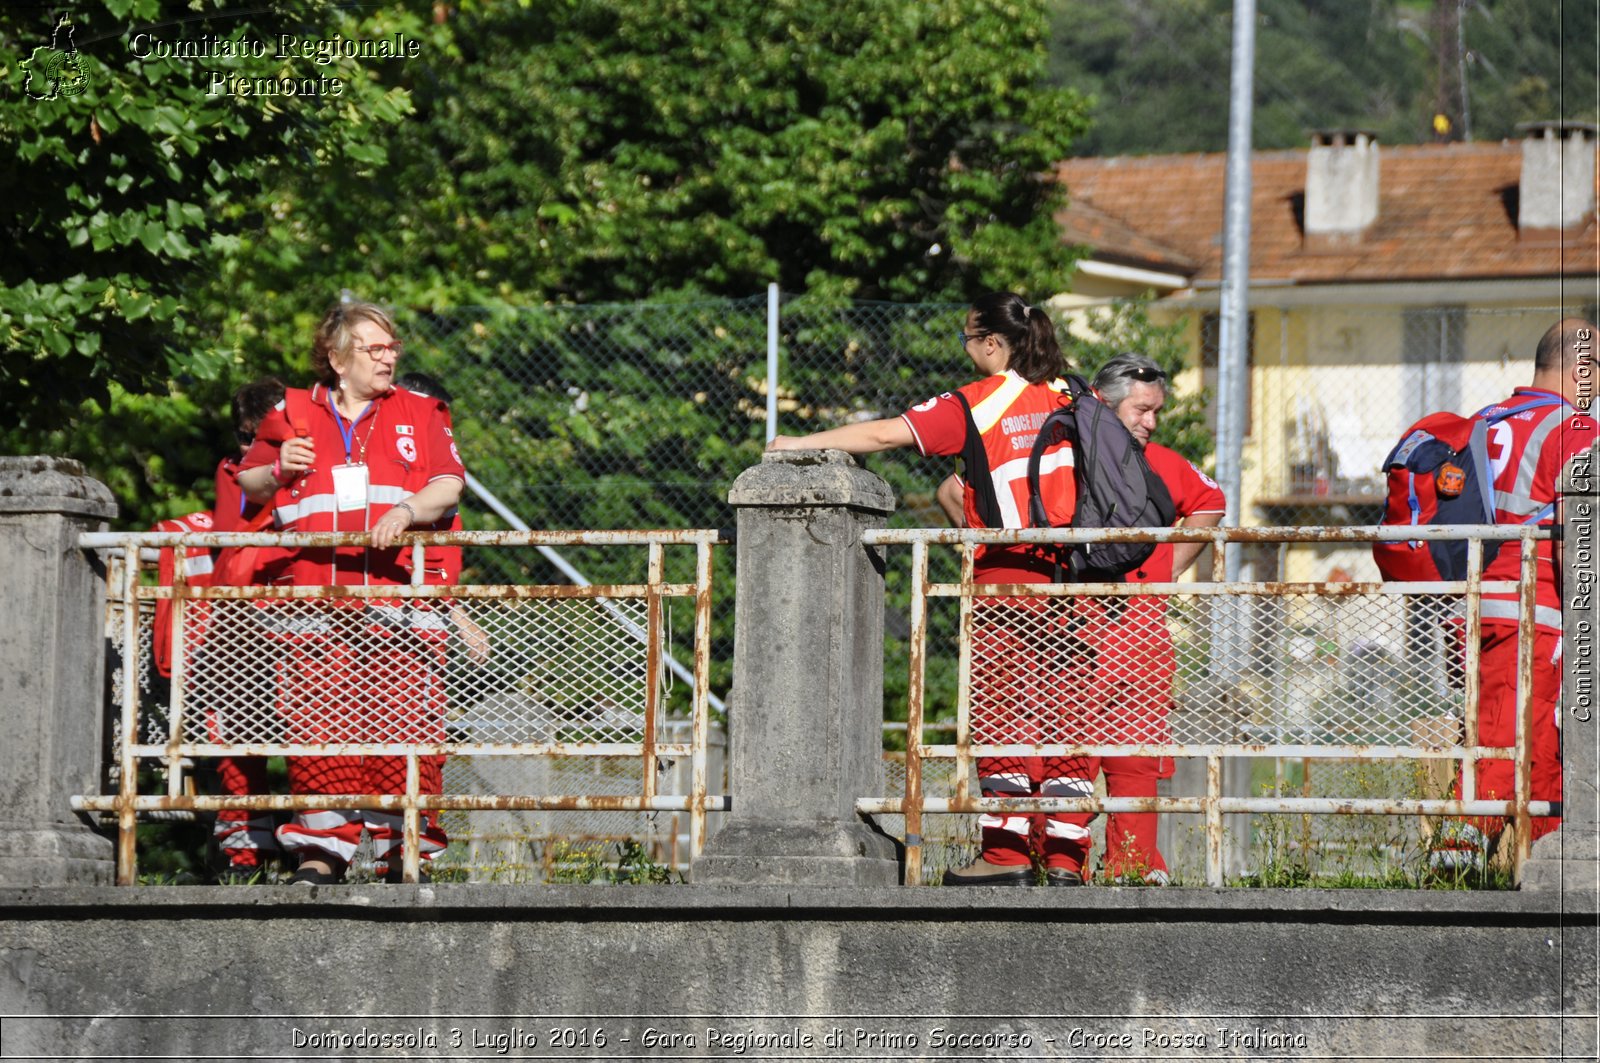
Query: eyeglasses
{"points": [[967, 337], [1146, 374], [396, 348]]}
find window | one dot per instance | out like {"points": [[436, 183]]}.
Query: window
{"points": [[1432, 352], [1210, 357]]}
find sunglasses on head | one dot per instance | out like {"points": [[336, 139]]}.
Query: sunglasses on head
{"points": [[1147, 375]]}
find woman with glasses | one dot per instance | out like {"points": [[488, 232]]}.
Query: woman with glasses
{"points": [[1031, 669], [355, 454]]}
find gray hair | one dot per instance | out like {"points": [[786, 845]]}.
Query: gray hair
{"points": [[1116, 378]]}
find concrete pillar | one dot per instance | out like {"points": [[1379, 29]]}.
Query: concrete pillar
{"points": [[806, 711], [1570, 857], [52, 663]]}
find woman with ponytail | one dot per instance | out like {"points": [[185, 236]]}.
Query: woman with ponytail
{"points": [[1025, 673]]}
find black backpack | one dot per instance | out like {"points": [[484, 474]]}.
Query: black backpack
{"points": [[1116, 486]]}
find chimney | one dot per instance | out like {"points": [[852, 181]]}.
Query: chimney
{"points": [[1341, 182], [1557, 187]]}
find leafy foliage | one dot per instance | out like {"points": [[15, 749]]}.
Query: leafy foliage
{"points": [[609, 150], [125, 186], [578, 150], [1158, 70]]}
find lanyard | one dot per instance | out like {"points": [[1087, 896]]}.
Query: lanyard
{"points": [[348, 434]]}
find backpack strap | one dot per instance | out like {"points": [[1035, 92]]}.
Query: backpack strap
{"points": [[976, 462], [1056, 429], [1518, 497], [1522, 407]]}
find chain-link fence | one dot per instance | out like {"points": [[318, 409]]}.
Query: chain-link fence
{"points": [[641, 415], [1333, 387], [630, 415]]}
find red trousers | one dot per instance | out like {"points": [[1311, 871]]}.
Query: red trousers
{"points": [[1137, 671], [1497, 722], [1034, 680], [242, 836], [371, 685]]}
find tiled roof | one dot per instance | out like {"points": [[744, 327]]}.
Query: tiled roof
{"points": [[1444, 212], [1117, 241]]}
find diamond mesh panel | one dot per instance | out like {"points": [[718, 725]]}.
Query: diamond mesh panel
{"points": [[524, 846], [947, 840], [1374, 669], [1328, 670], [471, 670]]}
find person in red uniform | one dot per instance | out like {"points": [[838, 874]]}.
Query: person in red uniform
{"points": [[1138, 649], [197, 566], [1527, 453], [368, 457], [1139, 666], [245, 840], [1021, 683], [442, 564]]}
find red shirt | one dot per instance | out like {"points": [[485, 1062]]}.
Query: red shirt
{"points": [[1192, 492], [1006, 412], [1527, 453], [405, 442]]}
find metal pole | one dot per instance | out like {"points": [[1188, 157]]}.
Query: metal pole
{"points": [[1232, 381], [1229, 618], [772, 361]]}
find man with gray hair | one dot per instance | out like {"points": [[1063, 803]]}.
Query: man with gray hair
{"points": [[1140, 666], [1144, 666]]}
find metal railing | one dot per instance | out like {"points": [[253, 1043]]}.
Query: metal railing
{"points": [[1352, 671], [413, 672]]}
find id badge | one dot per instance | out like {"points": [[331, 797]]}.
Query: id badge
{"points": [[350, 487]]}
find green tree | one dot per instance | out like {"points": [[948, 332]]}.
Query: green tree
{"points": [[1530, 61], [598, 150], [1158, 71], [586, 150], [131, 181], [122, 179]]}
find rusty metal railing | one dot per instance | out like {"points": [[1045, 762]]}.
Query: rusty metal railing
{"points": [[1353, 671], [414, 672]]}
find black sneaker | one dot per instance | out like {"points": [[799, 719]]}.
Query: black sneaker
{"points": [[982, 873], [1060, 876], [310, 877]]}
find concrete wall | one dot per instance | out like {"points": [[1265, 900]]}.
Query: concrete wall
{"points": [[1333, 975]]}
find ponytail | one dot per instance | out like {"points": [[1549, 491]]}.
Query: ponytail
{"points": [[1027, 330]]}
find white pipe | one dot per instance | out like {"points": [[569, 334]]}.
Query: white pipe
{"points": [[772, 361]]}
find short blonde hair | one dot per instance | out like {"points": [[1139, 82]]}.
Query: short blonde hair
{"points": [[336, 335]]}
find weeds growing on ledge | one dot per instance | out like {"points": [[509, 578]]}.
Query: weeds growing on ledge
{"points": [[583, 864]]}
